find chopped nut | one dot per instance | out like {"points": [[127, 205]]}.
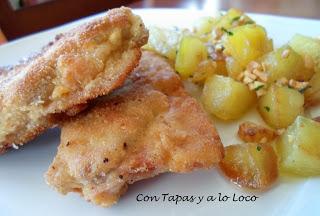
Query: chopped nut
{"points": [[254, 65], [256, 85], [282, 81], [250, 75], [247, 80], [264, 66], [262, 76], [298, 85], [285, 53]]}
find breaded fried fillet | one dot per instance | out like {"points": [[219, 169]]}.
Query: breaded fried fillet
{"points": [[82, 64], [149, 126]]}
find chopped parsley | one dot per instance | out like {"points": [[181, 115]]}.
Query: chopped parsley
{"points": [[230, 33], [258, 148], [234, 19], [267, 108], [249, 22], [258, 87], [304, 89]]}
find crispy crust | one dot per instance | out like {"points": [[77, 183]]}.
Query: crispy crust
{"points": [[82, 64], [149, 126]]}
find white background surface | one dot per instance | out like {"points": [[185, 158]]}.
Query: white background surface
{"points": [[24, 192]]}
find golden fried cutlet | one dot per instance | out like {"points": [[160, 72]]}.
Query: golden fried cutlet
{"points": [[82, 64], [149, 126]]}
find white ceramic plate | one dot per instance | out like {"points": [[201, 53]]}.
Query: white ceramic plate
{"points": [[24, 192]]}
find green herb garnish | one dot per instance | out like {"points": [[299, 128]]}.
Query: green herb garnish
{"points": [[249, 22], [258, 148], [267, 108], [258, 87], [226, 31], [235, 19]]}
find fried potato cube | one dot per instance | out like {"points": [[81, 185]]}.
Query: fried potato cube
{"points": [[246, 43], [251, 132], [226, 98], [204, 25], [280, 106], [299, 148], [233, 18], [285, 62], [191, 52], [250, 165], [309, 48]]}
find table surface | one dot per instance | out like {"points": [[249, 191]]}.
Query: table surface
{"points": [[293, 8]]}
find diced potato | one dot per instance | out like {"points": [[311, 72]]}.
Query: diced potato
{"points": [[163, 41], [309, 48], [246, 43], [251, 132], [233, 68], [312, 94], [191, 52], [232, 18], [226, 98], [204, 25], [299, 148], [285, 62], [205, 69], [250, 165], [280, 106]]}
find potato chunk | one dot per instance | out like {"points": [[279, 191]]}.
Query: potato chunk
{"points": [[204, 25], [299, 148], [309, 48], [285, 62], [191, 52], [246, 43], [251, 132], [226, 98], [250, 165], [233, 18], [280, 106]]}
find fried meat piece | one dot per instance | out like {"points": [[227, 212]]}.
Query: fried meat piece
{"points": [[82, 64], [149, 126]]}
